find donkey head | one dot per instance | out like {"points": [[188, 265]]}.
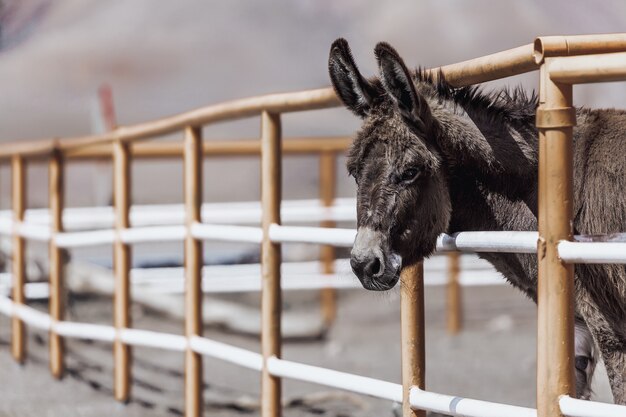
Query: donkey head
{"points": [[403, 202]]}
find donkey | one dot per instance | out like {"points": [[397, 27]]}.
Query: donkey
{"points": [[432, 159]]}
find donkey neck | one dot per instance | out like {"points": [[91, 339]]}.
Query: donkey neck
{"points": [[492, 172]]}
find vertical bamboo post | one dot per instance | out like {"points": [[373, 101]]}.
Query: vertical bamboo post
{"points": [[18, 191], [193, 268], [328, 180], [56, 196], [555, 351], [122, 264], [412, 334], [271, 183], [453, 295], [542, 328]]}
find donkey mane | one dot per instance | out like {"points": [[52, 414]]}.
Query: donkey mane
{"points": [[514, 106]]}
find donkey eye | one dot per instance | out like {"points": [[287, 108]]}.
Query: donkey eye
{"points": [[409, 174]]}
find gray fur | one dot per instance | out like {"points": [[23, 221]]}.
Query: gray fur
{"points": [[430, 159]]}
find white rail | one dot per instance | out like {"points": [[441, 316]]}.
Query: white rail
{"points": [[152, 339], [227, 353], [331, 378], [247, 212], [69, 240], [317, 235], [488, 241], [419, 399], [465, 407], [89, 331], [152, 234], [593, 252], [504, 242], [227, 233], [574, 407]]}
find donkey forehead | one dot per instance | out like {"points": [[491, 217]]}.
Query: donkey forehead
{"points": [[389, 133]]}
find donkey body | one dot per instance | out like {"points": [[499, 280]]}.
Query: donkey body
{"points": [[430, 159]]}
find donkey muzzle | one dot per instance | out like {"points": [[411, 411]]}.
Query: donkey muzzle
{"points": [[376, 269]]}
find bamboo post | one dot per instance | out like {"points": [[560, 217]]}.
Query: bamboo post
{"points": [[328, 180], [453, 295], [122, 264], [193, 269], [412, 334], [18, 191], [56, 307], [271, 183], [555, 344]]}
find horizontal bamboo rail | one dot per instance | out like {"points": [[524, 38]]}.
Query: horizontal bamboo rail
{"points": [[588, 69], [488, 68], [507, 63], [561, 46], [218, 148]]}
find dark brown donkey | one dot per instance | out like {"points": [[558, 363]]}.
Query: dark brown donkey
{"points": [[431, 159]]}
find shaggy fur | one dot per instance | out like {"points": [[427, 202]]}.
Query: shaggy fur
{"points": [[431, 159]]}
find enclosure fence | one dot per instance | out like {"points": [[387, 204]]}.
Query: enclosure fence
{"points": [[599, 58]]}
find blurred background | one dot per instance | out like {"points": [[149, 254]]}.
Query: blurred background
{"points": [[164, 57]]}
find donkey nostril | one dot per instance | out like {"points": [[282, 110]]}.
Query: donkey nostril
{"points": [[373, 267], [357, 267]]}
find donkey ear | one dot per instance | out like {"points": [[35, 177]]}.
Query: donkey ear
{"points": [[396, 79], [354, 91]]}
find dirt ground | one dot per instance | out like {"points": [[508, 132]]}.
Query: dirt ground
{"points": [[493, 358]]}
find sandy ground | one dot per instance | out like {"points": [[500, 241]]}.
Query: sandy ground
{"points": [[493, 359]]}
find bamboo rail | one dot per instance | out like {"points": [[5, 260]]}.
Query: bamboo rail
{"points": [[328, 180], [555, 353], [412, 335], [193, 269], [603, 60], [562, 46], [555, 292], [218, 148], [57, 299], [121, 264], [19, 192], [271, 305]]}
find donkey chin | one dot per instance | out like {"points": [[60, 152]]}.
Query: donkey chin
{"points": [[372, 261]]}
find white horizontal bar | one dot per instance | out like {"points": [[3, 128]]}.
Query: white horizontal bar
{"points": [[317, 235], [592, 252], [511, 242], [152, 234], [249, 283], [84, 331], [506, 242], [331, 378], [170, 281], [227, 233], [77, 218], [79, 239], [33, 231], [465, 407], [6, 223], [32, 290], [573, 407], [6, 306], [36, 290], [147, 338], [32, 317], [27, 230], [225, 352]]}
